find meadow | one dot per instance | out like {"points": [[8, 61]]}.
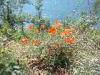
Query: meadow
{"points": [[32, 45]]}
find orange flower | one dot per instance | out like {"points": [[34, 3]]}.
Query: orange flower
{"points": [[57, 24], [62, 34], [30, 27], [69, 40], [52, 30], [24, 40], [36, 42], [66, 32]]}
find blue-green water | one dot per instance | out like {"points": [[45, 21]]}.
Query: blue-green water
{"points": [[60, 8]]}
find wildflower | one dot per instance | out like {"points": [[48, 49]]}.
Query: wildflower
{"points": [[62, 34], [30, 27], [52, 30], [36, 42], [66, 32], [24, 40], [69, 40], [57, 24]]}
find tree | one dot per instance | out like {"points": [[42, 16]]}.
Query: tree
{"points": [[38, 7], [8, 16], [96, 6], [8, 7], [39, 20]]}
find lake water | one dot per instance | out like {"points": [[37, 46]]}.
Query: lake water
{"points": [[60, 8]]}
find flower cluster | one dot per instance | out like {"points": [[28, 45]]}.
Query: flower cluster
{"points": [[65, 33], [25, 41]]}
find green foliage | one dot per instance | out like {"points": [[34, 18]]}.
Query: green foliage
{"points": [[77, 57], [10, 69], [7, 31], [38, 6], [68, 21], [96, 7], [9, 64], [38, 21], [60, 58]]}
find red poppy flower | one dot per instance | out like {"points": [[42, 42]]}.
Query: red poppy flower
{"points": [[52, 30], [30, 27], [24, 41], [69, 40], [62, 34], [36, 42], [66, 32]]}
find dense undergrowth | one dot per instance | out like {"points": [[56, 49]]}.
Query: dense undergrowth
{"points": [[58, 49]]}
